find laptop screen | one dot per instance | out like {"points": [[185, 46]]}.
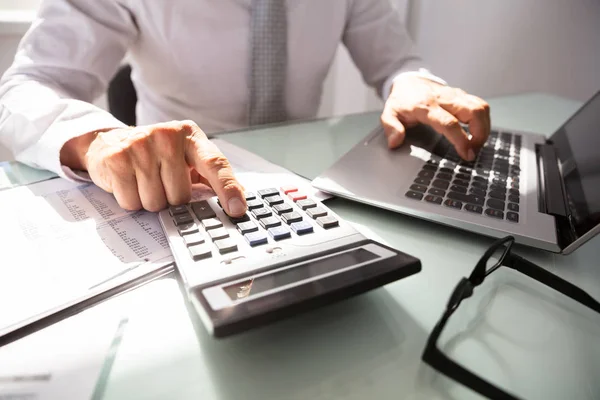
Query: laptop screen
{"points": [[578, 145]]}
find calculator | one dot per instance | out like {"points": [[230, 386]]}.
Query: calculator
{"points": [[288, 254]]}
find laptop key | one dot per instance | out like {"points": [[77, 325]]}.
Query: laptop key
{"points": [[474, 208], [477, 191], [480, 185], [461, 182], [414, 195], [425, 174], [496, 204], [433, 199], [459, 189], [422, 181], [445, 176], [495, 194], [513, 207], [447, 170], [463, 177], [430, 167], [436, 192], [512, 216], [453, 204], [419, 188], [513, 198], [440, 184], [466, 198], [490, 212], [466, 170]]}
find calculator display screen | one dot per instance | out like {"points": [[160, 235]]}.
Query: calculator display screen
{"points": [[301, 272]]}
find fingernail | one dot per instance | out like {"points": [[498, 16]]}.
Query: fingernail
{"points": [[236, 206], [470, 155]]}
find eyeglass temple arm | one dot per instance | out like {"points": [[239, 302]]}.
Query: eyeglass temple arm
{"points": [[557, 283]]}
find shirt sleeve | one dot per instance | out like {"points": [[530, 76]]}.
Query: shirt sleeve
{"points": [[64, 61], [380, 45]]}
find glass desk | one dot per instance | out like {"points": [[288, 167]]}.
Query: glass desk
{"points": [[370, 346]]}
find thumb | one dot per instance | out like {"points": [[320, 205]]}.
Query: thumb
{"points": [[393, 128]]}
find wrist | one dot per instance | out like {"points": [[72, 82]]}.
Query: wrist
{"points": [[73, 152]]}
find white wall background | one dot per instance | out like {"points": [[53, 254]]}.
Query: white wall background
{"points": [[489, 48]]}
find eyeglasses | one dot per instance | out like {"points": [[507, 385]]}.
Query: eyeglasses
{"points": [[499, 254]]}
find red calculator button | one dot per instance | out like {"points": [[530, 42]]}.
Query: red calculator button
{"points": [[295, 196], [288, 189]]}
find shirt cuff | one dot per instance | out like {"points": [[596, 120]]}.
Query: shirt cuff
{"points": [[421, 73]]}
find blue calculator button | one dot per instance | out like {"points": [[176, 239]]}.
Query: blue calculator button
{"points": [[302, 227], [279, 232], [256, 238]]}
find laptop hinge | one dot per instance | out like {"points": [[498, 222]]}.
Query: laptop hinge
{"points": [[552, 198]]}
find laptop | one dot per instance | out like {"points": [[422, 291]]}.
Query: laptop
{"points": [[544, 192]]}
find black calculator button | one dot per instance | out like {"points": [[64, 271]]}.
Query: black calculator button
{"points": [[200, 251], [273, 200], [490, 212], [453, 204], [183, 219], [474, 208], [316, 212], [247, 227], [284, 208], [302, 227], [237, 220], [254, 204], [304, 204], [262, 213], [279, 233], [270, 222], [226, 246], [176, 210], [187, 229], [250, 196], [218, 234], [211, 223], [512, 216], [202, 210], [293, 216], [513, 207], [256, 238], [433, 199], [268, 192], [193, 239], [414, 195], [328, 222]]}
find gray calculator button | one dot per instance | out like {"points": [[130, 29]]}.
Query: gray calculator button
{"points": [[183, 219], [316, 212], [187, 229], [211, 223], [176, 210], [218, 234], [200, 251], [202, 210], [256, 238], [268, 192], [246, 227], [254, 204], [274, 200], [193, 239], [270, 222], [306, 204], [291, 217], [260, 213], [250, 196], [328, 222], [280, 232], [226, 246], [282, 208]]}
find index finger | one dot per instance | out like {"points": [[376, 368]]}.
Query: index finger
{"points": [[470, 110], [208, 160]]}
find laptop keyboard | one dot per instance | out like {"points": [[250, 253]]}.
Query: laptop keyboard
{"points": [[488, 186]]}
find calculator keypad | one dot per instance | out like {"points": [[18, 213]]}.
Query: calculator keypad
{"points": [[274, 215]]}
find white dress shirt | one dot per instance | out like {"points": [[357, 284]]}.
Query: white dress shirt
{"points": [[190, 61]]}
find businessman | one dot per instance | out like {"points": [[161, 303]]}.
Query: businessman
{"points": [[203, 66]]}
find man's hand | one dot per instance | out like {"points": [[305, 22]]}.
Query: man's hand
{"points": [[416, 100], [150, 166]]}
